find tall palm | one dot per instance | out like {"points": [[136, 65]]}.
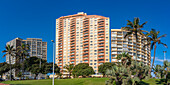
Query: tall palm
{"points": [[10, 52], [23, 53], [154, 38], [134, 28], [69, 68]]}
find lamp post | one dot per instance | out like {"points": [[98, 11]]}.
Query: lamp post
{"points": [[164, 55], [53, 60], [40, 66], [40, 60]]}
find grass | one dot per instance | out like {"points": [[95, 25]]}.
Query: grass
{"points": [[154, 82], [76, 81]]}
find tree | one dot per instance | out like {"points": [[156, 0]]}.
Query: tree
{"points": [[118, 73], [4, 67], [123, 73], [161, 71], [32, 65], [135, 29], [141, 69], [23, 53], [10, 52], [69, 69], [158, 71], [19, 75], [154, 38], [48, 68], [83, 69], [125, 58], [166, 67], [102, 68]]}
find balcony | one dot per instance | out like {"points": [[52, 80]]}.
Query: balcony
{"points": [[100, 47], [114, 52]]}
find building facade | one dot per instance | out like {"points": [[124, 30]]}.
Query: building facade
{"points": [[15, 43], [120, 44], [82, 38], [37, 48]]}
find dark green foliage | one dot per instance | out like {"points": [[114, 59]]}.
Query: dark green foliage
{"points": [[4, 67], [69, 69], [163, 72], [102, 68], [19, 74], [127, 72], [32, 64], [82, 69]]}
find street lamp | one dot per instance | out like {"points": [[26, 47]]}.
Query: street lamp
{"points": [[40, 65], [164, 55], [40, 59], [53, 60]]}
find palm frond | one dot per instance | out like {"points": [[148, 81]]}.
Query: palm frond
{"points": [[130, 23], [127, 34], [4, 51], [162, 36], [4, 55], [141, 26], [136, 21], [126, 28], [163, 44]]}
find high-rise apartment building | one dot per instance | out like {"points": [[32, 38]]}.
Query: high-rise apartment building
{"points": [[37, 47], [15, 43], [82, 38], [120, 44]]}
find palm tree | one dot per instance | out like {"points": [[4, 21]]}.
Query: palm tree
{"points": [[125, 58], [10, 51], [154, 38], [69, 69], [23, 53], [135, 29], [166, 66]]}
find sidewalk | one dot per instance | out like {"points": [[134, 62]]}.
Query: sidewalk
{"points": [[4, 84]]}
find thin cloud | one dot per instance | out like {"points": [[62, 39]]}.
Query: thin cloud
{"points": [[159, 60]]}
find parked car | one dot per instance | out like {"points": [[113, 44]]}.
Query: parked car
{"points": [[1, 80]]}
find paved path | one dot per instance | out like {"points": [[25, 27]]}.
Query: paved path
{"points": [[3, 84]]}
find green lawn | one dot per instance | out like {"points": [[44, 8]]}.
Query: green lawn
{"points": [[76, 81], [154, 82]]}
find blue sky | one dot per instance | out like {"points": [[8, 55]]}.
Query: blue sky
{"points": [[36, 18]]}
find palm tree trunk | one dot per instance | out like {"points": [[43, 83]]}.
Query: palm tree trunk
{"points": [[136, 55], [22, 70], [153, 60], [69, 74], [10, 67], [136, 52]]}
